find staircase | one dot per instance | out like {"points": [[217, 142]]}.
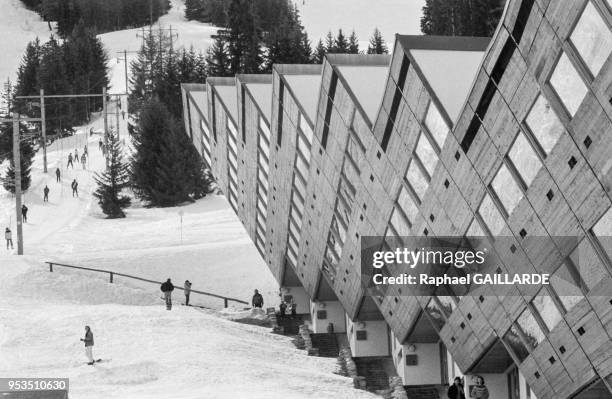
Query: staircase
{"points": [[326, 344], [426, 391], [373, 370]]}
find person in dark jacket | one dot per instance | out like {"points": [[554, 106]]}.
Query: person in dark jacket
{"points": [[8, 236], [283, 309], [75, 188], [187, 289], [89, 343], [456, 390], [257, 301], [479, 391], [46, 194], [69, 161], [58, 175], [167, 289], [24, 213]]}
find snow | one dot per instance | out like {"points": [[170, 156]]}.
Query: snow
{"points": [[450, 74], [306, 89], [368, 84], [262, 94], [148, 351], [18, 27], [390, 16]]}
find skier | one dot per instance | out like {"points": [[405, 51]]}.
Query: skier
{"points": [[187, 289], [76, 155], [46, 194], [167, 289], [75, 188], [83, 161], [24, 213], [257, 301], [8, 235], [100, 145], [58, 175], [89, 343], [70, 161], [85, 150]]}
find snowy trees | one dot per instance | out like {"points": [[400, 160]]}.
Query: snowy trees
{"points": [[336, 45], [461, 17], [217, 58], [377, 44], [165, 168], [26, 153], [112, 181]]}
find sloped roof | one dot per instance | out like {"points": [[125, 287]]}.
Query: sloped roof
{"points": [[367, 82], [229, 96], [262, 94]]}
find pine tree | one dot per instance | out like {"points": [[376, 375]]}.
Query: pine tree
{"points": [[53, 77], [113, 181], [330, 45], [26, 158], [319, 53], [165, 169], [461, 17], [246, 55], [353, 46], [341, 45], [217, 58], [193, 9], [377, 44], [27, 75]]}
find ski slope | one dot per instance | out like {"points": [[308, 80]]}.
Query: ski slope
{"points": [[147, 352]]}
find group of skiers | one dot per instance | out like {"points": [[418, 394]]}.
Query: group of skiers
{"points": [[76, 158], [167, 288]]}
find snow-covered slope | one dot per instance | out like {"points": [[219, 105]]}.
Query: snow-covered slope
{"points": [[18, 26], [147, 352]]}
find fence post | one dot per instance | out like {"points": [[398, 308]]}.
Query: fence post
{"points": [[225, 301], [50, 266], [111, 277]]}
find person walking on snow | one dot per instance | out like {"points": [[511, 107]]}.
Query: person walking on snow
{"points": [[70, 161], [187, 289], [46, 194], [75, 188], [83, 161], [58, 175], [167, 289], [85, 150], [24, 213], [8, 235], [257, 301], [89, 343], [76, 155]]}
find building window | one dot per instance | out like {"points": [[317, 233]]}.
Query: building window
{"points": [[491, 215], [592, 38], [524, 159], [417, 179], [589, 264], [548, 311], [407, 205], [531, 329], [435, 314], [265, 129], [568, 85], [514, 341], [397, 96], [567, 285], [506, 189], [427, 155], [281, 99], [399, 223], [328, 111], [305, 127], [435, 124], [544, 124]]}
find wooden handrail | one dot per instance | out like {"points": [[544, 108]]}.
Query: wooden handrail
{"points": [[112, 273]]}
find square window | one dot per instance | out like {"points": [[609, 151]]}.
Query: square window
{"points": [[523, 233], [572, 162], [592, 38], [524, 159], [457, 155], [436, 124], [547, 309], [513, 248], [491, 215], [531, 329], [562, 349], [544, 124], [581, 331], [513, 340], [446, 183], [550, 195], [568, 85], [506, 189], [587, 141]]}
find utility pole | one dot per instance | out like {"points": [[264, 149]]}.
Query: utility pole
{"points": [[105, 113], [43, 127], [117, 104], [17, 160]]}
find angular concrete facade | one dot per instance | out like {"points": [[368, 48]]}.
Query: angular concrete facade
{"points": [[504, 137]]}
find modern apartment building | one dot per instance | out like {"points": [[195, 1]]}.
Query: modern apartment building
{"points": [[508, 138]]}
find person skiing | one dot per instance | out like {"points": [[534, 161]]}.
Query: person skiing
{"points": [[75, 188], [187, 290], [46, 194], [24, 213], [455, 391], [58, 175], [167, 289], [8, 235], [83, 161], [89, 343], [257, 300], [70, 161]]}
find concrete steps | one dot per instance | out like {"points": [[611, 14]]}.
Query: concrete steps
{"points": [[426, 392], [326, 344], [373, 371]]}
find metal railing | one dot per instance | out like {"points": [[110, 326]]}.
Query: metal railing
{"points": [[112, 274]]}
